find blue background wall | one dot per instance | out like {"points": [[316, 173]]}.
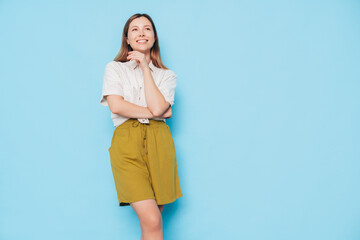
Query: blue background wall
{"points": [[265, 124]]}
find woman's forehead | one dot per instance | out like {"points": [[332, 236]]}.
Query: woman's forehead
{"points": [[141, 21]]}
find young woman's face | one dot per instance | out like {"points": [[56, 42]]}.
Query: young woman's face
{"points": [[141, 35]]}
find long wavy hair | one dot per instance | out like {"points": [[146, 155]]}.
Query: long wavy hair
{"points": [[125, 48]]}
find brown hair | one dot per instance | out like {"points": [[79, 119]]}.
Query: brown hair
{"points": [[125, 48]]}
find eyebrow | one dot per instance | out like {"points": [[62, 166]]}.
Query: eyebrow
{"points": [[144, 26]]}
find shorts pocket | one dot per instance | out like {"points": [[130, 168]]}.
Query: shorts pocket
{"points": [[121, 135], [170, 138]]}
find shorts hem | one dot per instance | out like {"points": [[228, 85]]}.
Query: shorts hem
{"points": [[169, 201], [127, 203]]}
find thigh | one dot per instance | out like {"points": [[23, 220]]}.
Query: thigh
{"points": [[147, 211]]}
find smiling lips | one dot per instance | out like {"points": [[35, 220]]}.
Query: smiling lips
{"points": [[142, 41]]}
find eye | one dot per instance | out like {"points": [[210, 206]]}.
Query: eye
{"points": [[134, 29], [148, 28]]}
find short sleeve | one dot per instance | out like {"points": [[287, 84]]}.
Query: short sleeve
{"points": [[167, 86], [112, 84]]}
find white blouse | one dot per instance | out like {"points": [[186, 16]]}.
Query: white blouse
{"points": [[127, 80]]}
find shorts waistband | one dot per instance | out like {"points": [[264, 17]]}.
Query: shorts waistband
{"points": [[134, 122]]}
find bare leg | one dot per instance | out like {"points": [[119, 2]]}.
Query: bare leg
{"points": [[150, 219]]}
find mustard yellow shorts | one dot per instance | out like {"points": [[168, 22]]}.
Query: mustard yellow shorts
{"points": [[143, 162]]}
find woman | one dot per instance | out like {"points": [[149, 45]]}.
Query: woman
{"points": [[139, 91]]}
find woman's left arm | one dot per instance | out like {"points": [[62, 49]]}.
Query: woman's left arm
{"points": [[156, 102]]}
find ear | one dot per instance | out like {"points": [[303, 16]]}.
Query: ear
{"points": [[127, 40]]}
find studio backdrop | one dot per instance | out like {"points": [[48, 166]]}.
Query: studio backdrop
{"points": [[265, 121]]}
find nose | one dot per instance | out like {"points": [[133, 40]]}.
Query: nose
{"points": [[141, 33]]}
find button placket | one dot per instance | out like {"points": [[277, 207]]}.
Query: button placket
{"points": [[143, 133], [144, 139], [140, 92]]}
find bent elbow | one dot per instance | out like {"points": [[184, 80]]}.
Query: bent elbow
{"points": [[156, 113], [115, 102], [113, 109], [160, 112]]}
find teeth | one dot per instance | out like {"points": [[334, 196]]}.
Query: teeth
{"points": [[142, 41]]}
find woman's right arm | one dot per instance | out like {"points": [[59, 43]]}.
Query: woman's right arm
{"points": [[118, 105]]}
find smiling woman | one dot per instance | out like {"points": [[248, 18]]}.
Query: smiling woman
{"points": [[137, 25], [140, 92], [141, 34]]}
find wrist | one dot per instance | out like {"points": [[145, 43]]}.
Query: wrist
{"points": [[145, 68]]}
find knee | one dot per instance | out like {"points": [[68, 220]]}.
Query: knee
{"points": [[153, 222]]}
